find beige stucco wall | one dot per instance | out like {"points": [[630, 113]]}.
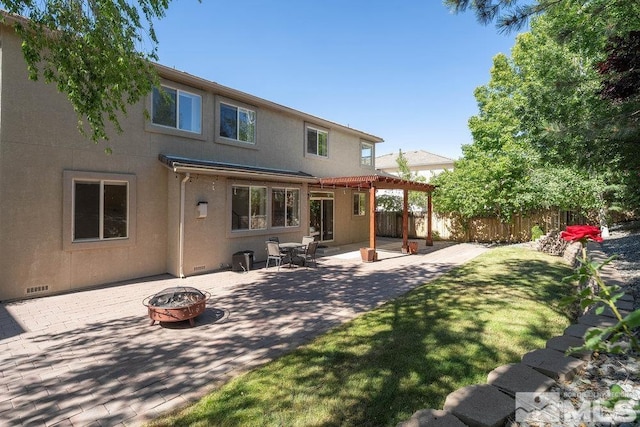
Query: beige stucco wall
{"points": [[39, 141], [349, 228]]}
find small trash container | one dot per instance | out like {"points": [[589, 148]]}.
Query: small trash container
{"points": [[242, 261]]}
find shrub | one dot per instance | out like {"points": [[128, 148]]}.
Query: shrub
{"points": [[536, 232]]}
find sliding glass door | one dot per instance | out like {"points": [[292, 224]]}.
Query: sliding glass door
{"points": [[321, 214]]}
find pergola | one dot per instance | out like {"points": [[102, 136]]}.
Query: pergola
{"points": [[386, 182]]}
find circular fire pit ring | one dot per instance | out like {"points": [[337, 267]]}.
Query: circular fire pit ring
{"points": [[176, 304]]}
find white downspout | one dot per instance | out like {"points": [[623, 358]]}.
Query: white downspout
{"points": [[182, 202]]}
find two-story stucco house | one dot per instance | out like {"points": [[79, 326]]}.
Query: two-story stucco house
{"points": [[209, 172]]}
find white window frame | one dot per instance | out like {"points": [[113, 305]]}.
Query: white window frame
{"points": [[70, 179], [366, 160], [239, 109], [196, 119], [286, 190], [318, 131], [359, 204]]}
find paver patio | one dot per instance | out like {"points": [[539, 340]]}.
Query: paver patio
{"points": [[91, 357]]}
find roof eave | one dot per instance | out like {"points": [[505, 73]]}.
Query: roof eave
{"points": [[183, 166]]}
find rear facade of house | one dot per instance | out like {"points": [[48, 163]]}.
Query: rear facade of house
{"points": [[211, 171]]}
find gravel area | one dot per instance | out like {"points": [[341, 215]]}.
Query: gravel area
{"points": [[625, 244], [587, 395]]}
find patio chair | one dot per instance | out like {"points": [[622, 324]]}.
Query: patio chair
{"points": [[307, 239], [310, 253], [274, 253]]}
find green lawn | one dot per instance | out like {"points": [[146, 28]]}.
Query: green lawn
{"points": [[406, 355]]}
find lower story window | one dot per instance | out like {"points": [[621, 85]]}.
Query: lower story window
{"points": [[100, 210], [248, 208], [285, 207], [359, 206]]}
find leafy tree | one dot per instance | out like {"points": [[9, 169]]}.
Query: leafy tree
{"points": [[620, 71], [571, 70], [491, 178], [621, 68], [566, 114], [501, 174], [93, 51], [389, 203]]}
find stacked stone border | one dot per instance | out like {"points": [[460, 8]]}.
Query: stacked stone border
{"points": [[493, 404]]}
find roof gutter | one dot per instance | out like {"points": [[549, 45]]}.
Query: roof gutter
{"points": [[242, 174], [198, 167]]}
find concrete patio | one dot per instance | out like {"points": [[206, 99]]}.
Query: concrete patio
{"points": [[91, 357]]}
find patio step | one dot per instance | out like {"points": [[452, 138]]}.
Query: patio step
{"points": [[328, 250]]}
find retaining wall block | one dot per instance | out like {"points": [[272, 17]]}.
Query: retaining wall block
{"points": [[553, 364], [480, 405], [518, 377], [596, 320], [432, 418], [564, 342], [577, 330]]}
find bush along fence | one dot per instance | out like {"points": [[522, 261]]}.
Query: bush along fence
{"points": [[517, 392]]}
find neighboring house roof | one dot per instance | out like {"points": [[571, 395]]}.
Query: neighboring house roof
{"points": [[417, 160]]}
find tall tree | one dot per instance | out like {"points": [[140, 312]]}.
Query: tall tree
{"points": [[97, 52], [501, 174], [569, 75], [566, 114], [509, 15]]}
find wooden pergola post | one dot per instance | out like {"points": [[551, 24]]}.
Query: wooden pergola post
{"points": [[372, 217], [429, 241], [405, 221]]}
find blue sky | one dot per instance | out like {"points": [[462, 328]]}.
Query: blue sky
{"points": [[403, 71]]}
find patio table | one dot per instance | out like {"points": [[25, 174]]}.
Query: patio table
{"points": [[291, 248]]}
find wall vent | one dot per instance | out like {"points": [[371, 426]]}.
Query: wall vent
{"points": [[199, 267], [37, 289]]}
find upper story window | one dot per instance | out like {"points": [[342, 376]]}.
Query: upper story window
{"points": [[237, 123], [317, 142], [177, 109], [366, 154]]}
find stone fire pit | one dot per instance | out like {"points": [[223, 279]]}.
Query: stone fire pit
{"points": [[176, 304]]}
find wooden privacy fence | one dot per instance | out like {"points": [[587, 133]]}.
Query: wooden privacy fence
{"points": [[389, 224]]}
